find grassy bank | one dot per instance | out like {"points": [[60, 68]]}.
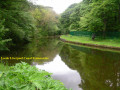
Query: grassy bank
{"points": [[107, 42], [25, 77]]}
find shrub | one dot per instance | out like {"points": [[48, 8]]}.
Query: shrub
{"points": [[22, 76]]}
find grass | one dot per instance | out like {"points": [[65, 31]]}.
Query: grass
{"points": [[82, 39]]}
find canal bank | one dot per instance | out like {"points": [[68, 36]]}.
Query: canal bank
{"points": [[74, 40]]}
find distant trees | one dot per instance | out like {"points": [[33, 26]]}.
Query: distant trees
{"points": [[66, 19], [46, 20], [21, 21], [93, 15]]}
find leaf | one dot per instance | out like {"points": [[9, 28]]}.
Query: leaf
{"points": [[25, 77], [1, 74]]}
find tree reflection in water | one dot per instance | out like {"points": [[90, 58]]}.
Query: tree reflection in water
{"points": [[99, 70]]}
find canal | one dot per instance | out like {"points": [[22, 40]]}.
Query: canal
{"points": [[78, 67]]}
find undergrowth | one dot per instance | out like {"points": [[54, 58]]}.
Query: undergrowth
{"points": [[22, 76]]}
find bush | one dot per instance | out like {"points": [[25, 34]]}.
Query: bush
{"points": [[25, 77]]}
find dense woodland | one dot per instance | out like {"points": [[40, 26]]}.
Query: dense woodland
{"points": [[92, 15], [21, 21]]}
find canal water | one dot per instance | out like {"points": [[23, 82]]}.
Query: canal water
{"points": [[78, 67]]}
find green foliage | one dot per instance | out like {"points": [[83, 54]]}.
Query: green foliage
{"points": [[25, 77], [21, 21], [91, 23], [70, 19], [93, 15], [17, 20], [6, 68], [20, 25], [65, 17], [3, 41], [46, 20]]}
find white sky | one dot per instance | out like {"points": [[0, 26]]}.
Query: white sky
{"points": [[58, 5]]}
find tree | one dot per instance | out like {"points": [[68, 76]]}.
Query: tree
{"points": [[46, 20], [93, 15], [3, 40], [65, 19], [17, 19]]}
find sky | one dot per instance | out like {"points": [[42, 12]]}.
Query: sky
{"points": [[59, 6]]}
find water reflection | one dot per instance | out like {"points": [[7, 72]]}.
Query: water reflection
{"points": [[77, 67], [99, 70], [62, 72], [44, 47]]}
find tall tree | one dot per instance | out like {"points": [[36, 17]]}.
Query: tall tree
{"points": [[93, 15], [17, 19]]}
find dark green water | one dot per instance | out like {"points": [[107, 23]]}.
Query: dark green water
{"points": [[78, 67]]}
